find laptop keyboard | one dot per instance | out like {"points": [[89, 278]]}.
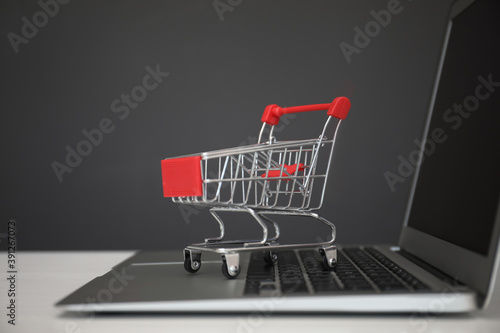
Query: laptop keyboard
{"points": [[302, 272]]}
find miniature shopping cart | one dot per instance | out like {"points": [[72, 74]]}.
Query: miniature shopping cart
{"points": [[264, 179]]}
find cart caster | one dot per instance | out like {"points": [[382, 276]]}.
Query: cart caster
{"points": [[231, 265], [192, 261], [329, 264], [270, 257], [329, 256]]}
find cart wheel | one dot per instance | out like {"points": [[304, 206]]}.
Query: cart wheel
{"points": [[270, 257], [225, 271], [325, 263], [327, 266], [191, 267]]}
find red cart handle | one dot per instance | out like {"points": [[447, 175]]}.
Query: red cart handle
{"points": [[338, 109]]}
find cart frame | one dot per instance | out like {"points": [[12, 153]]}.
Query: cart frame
{"points": [[257, 180]]}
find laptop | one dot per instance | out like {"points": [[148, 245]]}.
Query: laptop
{"points": [[448, 252]]}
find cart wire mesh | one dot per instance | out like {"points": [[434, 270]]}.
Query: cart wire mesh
{"points": [[272, 175]]}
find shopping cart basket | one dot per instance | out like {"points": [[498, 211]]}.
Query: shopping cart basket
{"points": [[267, 178]]}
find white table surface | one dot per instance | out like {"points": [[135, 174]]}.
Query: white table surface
{"points": [[46, 277]]}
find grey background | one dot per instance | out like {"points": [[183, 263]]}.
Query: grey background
{"points": [[222, 75]]}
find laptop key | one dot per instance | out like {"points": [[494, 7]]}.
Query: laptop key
{"points": [[258, 272], [290, 273], [380, 276], [409, 279], [323, 280]]}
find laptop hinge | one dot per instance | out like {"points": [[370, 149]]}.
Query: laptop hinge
{"points": [[431, 269]]}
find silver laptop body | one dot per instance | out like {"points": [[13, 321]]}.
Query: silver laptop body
{"points": [[454, 255]]}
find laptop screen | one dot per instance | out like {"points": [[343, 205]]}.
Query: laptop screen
{"points": [[458, 187]]}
